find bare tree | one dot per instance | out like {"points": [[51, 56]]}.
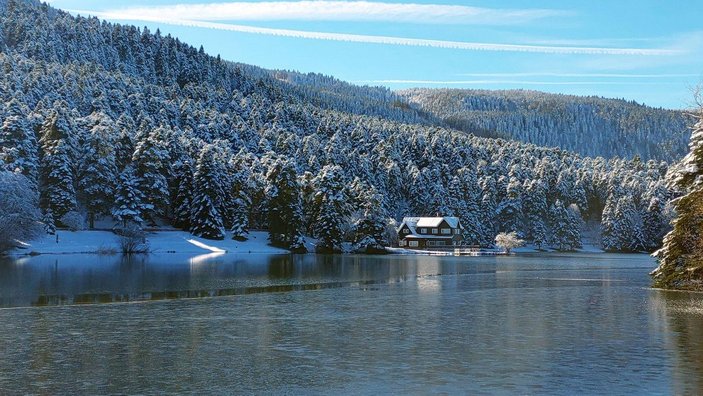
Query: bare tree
{"points": [[19, 215], [508, 241]]}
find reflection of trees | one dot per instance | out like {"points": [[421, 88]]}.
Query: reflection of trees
{"points": [[90, 279], [681, 314]]}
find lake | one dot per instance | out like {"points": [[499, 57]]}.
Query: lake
{"points": [[214, 324]]}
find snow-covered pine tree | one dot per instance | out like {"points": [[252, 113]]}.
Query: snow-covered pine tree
{"points": [[488, 210], [574, 225], [369, 229], [608, 232], [130, 203], [48, 221], [624, 227], [240, 218], [331, 201], [565, 232], [182, 193], [98, 170], [240, 200], [208, 196], [151, 161], [510, 209], [466, 204], [124, 147], [535, 208], [57, 172], [285, 215], [655, 224], [18, 145], [632, 239], [681, 256]]}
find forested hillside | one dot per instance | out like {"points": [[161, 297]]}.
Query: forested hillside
{"points": [[590, 126], [100, 119]]}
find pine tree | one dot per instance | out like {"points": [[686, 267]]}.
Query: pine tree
{"points": [[488, 210], [130, 203], [57, 173], [285, 215], [182, 194], [369, 229], [98, 170], [574, 223], [681, 257], [18, 145], [240, 206], [208, 196], [464, 201], [332, 209], [240, 219], [655, 224], [624, 227], [536, 212], [609, 237], [48, 221], [151, 159], [565, 227]]}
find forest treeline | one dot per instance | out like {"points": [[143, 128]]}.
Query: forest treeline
{"points": [[100, 119]]}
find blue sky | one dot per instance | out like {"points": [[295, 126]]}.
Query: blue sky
{"points": [[650, 51]]}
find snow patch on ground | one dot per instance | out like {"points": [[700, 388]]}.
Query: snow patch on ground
{"points": [[530, 248], [394, 250], [159, 242]]}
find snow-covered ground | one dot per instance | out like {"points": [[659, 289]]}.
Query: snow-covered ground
{"points": [[159, 242], [587, 248], [483, 252]]}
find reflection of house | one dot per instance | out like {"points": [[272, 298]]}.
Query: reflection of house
{"points": [[428, 232]]}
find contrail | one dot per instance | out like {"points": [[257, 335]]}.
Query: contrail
{"points": [[370, 39]]}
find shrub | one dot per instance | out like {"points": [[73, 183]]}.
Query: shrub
{"points": [[73, 220], [132, 239]]}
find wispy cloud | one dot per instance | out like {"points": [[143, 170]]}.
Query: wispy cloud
{"points": [[371, 39], [581, 75], [344, 11], [505, 82]]}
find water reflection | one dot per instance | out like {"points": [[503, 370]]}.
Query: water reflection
{"points": [[89, 279], [680, 315], [543, 324]]}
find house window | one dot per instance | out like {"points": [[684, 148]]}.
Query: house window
{"points": [[401, 243], [406, 231], [434, 230], [430, 243], [413, 243], [446, 231], [423, 230], [457, 231], [440, 243]]}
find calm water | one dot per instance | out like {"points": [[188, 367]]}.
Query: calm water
{"points": [[560, 324]]}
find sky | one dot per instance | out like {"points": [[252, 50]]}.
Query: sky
{"points": [[650, 51]]}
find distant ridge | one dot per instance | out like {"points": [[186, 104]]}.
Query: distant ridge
{"points": [[588, 125]]}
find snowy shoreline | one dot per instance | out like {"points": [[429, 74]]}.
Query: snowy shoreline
{"points": [[176, 241], [162, 241]]}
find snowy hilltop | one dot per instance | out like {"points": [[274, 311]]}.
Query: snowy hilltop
{"points": [[589, 126]]}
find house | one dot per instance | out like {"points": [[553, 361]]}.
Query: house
{"points": [[430, 232]]}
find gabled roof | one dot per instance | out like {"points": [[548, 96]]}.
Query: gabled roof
{"points": [[429, 222], [436, 221]]}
